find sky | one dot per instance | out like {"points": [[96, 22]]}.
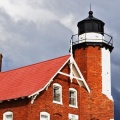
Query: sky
{"points": [[35, 30]]}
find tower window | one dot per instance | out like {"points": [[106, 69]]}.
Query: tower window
{"points": [[95, 27], [72, 97], [57, 93], [81, 29], [88, 27], [92, 27]]}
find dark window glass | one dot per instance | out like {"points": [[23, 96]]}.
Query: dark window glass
{"points": [[95, 27], [88, 27], [81, 30], [72, 98], [99, 27], [56, 93], [8, 117], [44, 117]]}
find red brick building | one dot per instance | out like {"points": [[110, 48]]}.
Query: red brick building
{"points": [[71, 87]]}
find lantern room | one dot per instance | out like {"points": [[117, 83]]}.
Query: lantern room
{"points": [[90, 24]]}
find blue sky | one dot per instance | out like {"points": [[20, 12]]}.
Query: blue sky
{"points": [[35, 30]]}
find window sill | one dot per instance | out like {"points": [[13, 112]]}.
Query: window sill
{"points": [[57, 102], [73, 106]]}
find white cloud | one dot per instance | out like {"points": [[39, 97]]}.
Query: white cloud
{"points": [[21, 10], [37, 11], [69, 21]]}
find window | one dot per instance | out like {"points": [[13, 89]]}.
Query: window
{"points": [[88, 27], [95, 27], [92, 27], [72, 97], [57, 93], [44, 116], [8, 116], [81, 29], [73, 117]]}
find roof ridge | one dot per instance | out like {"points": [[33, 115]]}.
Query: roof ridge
{"points": [[34, 63]]}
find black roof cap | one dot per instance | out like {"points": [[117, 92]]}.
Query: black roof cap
{"points": [[90, 14], [90, 18]]}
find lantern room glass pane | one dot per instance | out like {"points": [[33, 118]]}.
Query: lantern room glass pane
{"points": [[95, 27], [81, 29], [88, 27]]}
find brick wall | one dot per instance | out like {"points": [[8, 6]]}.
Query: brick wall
{"points": [[23, 110], [44, 102], [93, 106], [18, 107]]}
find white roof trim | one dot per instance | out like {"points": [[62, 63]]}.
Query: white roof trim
{"points": [[80, 76], [69, 75], [37, 92], [76, 74], [80, 79]]}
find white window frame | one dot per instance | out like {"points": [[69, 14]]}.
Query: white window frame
{"points": [[75, 92], [7, 113], [45, 114], [60, 90], [73, 117]]}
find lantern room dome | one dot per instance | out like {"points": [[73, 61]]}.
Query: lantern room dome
{"points": [[90, 24]]}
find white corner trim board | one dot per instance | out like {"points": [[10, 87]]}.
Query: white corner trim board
{"points": [[106, 73]]}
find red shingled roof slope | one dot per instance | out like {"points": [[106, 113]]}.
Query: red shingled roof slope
{"points": [[26, 80]]}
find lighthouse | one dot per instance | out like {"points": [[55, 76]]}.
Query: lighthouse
{"points": [[92, 51]]}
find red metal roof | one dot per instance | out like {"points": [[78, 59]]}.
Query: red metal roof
{"points": [[27, 80]]}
